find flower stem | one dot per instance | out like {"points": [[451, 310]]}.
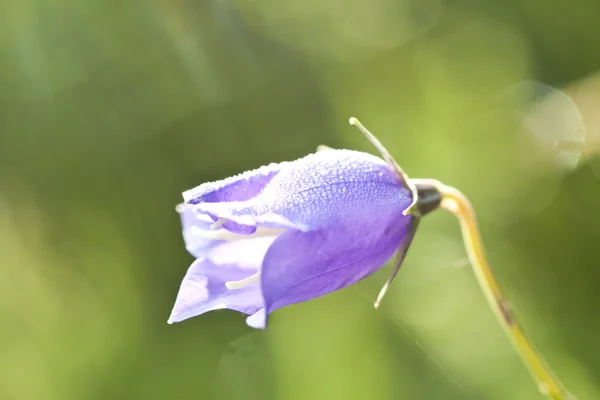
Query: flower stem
{"points": [[456, 203]]}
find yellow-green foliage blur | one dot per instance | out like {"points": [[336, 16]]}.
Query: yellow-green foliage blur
{"points": [[110, 109]]}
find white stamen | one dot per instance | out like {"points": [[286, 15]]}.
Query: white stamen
{"points": [[233, 285], [218, 223], [222, 234]]}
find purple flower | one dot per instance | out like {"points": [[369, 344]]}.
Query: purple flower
{"points": [[289, 232]]}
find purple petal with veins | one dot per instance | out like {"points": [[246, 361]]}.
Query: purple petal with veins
{"points": [[307, 228]]}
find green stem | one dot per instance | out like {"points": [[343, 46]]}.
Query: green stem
{"points": [[456, 203]]}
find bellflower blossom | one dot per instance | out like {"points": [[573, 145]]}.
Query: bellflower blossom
{"points": [[289, 232]]}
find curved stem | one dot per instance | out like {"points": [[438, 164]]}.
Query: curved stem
{"points": [[456, 203]]}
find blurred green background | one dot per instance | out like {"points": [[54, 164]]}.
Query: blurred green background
{"points": [[110, 109]]}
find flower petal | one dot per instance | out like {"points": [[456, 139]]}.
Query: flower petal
{"points": [[322, 190], [241, 187], [193, 225], [258, 320], [236, 188], [203, 288], [300, 266]]}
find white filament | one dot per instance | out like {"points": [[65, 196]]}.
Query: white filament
{"points": [[218, 223], [223, 234], [234, 285]]}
